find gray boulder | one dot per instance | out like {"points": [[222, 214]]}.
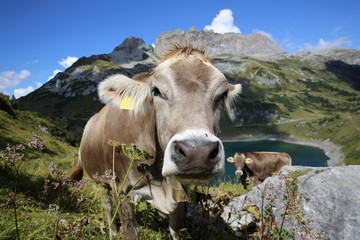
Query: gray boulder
{"points": [[319, 203]]}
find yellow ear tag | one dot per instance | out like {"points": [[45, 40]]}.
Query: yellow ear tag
{"points": [[127, 104], [248, 161]]}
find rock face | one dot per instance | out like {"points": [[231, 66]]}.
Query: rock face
{"points": [[324, 205], [349, 56], [216, 44], [132, 49]]}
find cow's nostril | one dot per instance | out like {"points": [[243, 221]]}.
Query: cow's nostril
{"points": [[215, 152], [179, 151]]}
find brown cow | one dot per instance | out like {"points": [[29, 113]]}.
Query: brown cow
{"points": [[255, 166], [171, 113]]}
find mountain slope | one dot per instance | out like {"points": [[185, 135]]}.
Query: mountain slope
{"points": [[17, 128], [290, 96]]}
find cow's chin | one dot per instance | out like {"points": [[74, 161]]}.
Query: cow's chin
{"points": [[195, 179]]}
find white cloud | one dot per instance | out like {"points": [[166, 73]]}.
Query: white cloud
{"points": [[322, 44], [65, 63], [68, 61], [263, 33], [10, 79], [223, 23], [56, 71], [23, 91]]}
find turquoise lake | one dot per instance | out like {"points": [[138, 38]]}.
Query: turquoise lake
{"points": [[300, 154]]}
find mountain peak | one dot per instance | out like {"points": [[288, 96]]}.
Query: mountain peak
{"points": [[131, 49], [193, 29], [129, 44]]}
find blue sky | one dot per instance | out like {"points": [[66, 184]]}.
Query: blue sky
{"points": [[40, 37]]}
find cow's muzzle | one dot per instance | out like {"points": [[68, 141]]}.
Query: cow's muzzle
{"points": [[194, 156]]}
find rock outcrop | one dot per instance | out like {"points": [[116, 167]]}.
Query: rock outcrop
{"points": [[318, 203], [216, 43], [132, 49]]}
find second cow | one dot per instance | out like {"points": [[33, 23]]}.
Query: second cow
{"points": [[254, 166]]}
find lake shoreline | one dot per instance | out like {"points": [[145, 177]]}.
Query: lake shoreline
{"points": [[331, 150]]}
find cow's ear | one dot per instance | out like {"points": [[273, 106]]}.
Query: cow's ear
{"points": [[125, 93], [248, 160], [233, 94], [230, 159]]}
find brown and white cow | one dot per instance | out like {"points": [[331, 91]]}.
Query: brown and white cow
{"points": [[171, 113], [254, 166]]}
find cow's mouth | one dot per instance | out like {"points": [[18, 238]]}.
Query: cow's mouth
{"points": [[195, 176]]}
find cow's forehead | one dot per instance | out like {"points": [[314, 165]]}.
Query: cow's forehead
{"points": [[239, 157], [188, 73]]}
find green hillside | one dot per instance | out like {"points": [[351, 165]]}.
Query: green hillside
{"points": [[18, 129], [24, 170]]}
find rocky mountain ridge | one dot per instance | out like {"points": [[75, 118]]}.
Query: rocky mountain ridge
{"points": [[217, 44]]}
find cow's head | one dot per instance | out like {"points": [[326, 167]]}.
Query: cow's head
{"points": [[241, 161], [188, 95]]}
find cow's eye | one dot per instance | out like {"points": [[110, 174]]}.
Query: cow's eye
{"points": [[156, 92], [220, 98]]}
